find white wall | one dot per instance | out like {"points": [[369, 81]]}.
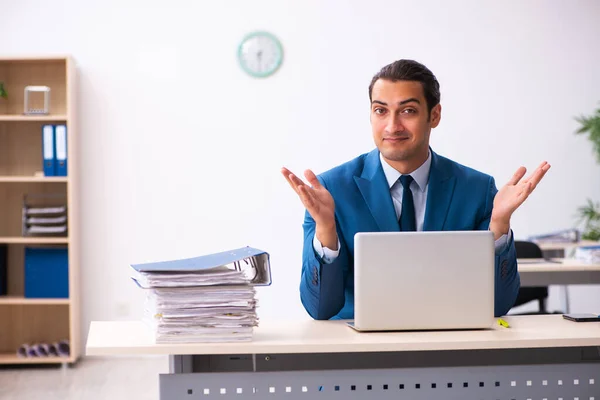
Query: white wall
{"points": [[181, 151]]}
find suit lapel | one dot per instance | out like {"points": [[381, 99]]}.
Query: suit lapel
{"points": [[439, 194], [375, 190]]}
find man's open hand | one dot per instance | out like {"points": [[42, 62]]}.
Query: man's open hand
{"points": [[512, 195], [319, 203]]}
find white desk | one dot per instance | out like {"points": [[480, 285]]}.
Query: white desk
{"points": [[550, 246], [536, 272], [558, 249], [538, 357], [539, 272]]}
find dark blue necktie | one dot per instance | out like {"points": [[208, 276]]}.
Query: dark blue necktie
{"points": [[407, 215]]}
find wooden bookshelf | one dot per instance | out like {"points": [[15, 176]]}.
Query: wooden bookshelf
{"points": [[36, 320]]}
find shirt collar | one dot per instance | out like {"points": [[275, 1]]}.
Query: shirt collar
{"points": [[420, 175]]}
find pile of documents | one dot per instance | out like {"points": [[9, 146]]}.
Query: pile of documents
{"points": [[588, 254], [44, 214], [563, 236], [209, 298], [45, 220]]}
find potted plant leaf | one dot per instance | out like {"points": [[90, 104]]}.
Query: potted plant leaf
{"points": [[3, 93], [590, 213], [3, 97]]}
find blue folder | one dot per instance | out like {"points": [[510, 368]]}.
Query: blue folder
{"points": [[257, 258], [60, 142], [46, 272], [48, 155]]}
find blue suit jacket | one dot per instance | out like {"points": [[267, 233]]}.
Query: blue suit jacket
{"points": [[458, 198]]}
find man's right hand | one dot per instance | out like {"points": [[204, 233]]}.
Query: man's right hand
{"points": [[319, 203]]}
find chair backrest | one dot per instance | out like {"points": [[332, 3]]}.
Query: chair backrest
{"points": [[528, 250]]}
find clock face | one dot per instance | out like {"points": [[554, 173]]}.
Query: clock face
{"points": [[260, 54]]}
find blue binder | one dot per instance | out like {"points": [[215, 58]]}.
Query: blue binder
{"points": [[60, 139], [48, 158], [247, 257], [46, 272]]}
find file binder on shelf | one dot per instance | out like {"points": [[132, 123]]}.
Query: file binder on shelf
{"points": [[48, 154], [46, 272], [60, 141], [44, 214]]}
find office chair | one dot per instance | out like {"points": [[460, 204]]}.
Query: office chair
{"points": [[527, 294]]}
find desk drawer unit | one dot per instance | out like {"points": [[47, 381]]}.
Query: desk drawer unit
{"points": [[536, 374]]}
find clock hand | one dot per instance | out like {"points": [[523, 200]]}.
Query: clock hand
{"points": [[259, 55]]}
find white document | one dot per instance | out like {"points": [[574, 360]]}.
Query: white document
{"points": [[46, 210], [212, 311], [588, 254], [215, 276], [38, 220], [47, 229]]}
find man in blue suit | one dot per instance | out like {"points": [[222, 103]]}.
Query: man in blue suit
{"points": [[401, 185]]}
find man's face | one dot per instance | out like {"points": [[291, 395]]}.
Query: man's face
{"points": [[400, 121]]}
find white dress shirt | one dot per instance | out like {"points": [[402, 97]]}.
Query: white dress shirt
{"points": [[418, 187]]}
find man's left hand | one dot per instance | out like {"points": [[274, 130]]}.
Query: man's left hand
{"points": [[512, 195]]}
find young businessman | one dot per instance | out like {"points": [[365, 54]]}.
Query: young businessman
{"points": [[369, 193]]}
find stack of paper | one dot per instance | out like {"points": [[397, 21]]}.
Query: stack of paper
{"points": [[45, 220], [588, 254], [204, 299], [563, 236], [204, 277], [200, 314]]}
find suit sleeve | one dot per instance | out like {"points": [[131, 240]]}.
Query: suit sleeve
{"points": [[507, 280], [322, 285], [325, 253]]}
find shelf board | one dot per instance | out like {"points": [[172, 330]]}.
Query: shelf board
{"points": [[18, 117], [23, 301], [31, 179], [34, 240], [34, 58], [8, 358]]}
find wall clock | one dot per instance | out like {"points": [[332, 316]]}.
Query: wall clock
{"points": [[260, 54]]}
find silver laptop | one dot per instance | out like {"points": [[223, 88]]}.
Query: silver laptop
{"points": [[423, 280]]}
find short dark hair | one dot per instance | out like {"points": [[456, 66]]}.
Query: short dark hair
{"points": [[410, 70]]}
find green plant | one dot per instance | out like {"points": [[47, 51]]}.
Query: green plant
{"points": [[3, 93], [590, 216], [591, 126], [590, 213]]}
